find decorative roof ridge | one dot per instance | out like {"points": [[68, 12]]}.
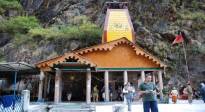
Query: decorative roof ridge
{"points": [[149, 55], [104, 46], [47, 60], [80, 59]]}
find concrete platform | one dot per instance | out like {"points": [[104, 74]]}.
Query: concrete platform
{"points": [[181, 106]]}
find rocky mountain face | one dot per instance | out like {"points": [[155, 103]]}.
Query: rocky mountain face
{"points": [[156, 23]]}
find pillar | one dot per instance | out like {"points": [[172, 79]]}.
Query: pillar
{"points": [[45, 86], [142, 76], [58, 79], [106, 79], [26, 100], [40, 88], [160, 83], [125, 77], [154, 78], [88, 86]]}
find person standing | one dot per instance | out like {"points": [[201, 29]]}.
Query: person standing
{"points": [[148, 92], [190, 92], [128, 91], [69, 95], [202, 91], [174, 94], [95, 93], [119, 93], [110, 93], [166, 94]]}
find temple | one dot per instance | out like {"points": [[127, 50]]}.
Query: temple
{"points": [[110, 64]]}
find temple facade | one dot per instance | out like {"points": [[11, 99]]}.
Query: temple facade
{"points": [[108, 65]]}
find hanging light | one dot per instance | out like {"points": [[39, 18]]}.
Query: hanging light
{"points": [[72, 77]]}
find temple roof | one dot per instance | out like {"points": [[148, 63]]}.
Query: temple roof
{"points": [[78, 55]]}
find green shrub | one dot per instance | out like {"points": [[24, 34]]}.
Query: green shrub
{"points": [[87, 30], [10, 4], [22, 39], [188, 15], [201, 49], [45, 32], [78, 20], [2, 58], [195, 4], [196, 48], [19, 24]]}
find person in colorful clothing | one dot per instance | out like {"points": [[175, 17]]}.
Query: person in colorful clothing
{"points": [[174, 94], [148, 92]]}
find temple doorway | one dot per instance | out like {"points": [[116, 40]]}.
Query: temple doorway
{"points": [[116, 85], [97, 79], [74, 86]]}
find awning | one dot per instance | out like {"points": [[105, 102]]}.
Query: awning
{"points": [[21, 67], [15, 68]]}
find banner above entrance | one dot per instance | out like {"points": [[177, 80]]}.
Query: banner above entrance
{"points": [[117, 25]]}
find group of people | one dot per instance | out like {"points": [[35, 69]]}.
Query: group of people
{"points": [[187, 92], [174, 94], [148, 92], [95, 94]]}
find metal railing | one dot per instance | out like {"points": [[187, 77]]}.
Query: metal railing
{"points": [[11, 103]]}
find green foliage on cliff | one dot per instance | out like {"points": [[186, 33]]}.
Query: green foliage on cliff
{"points": [[85, 30], [2, 58], [188, 15], [79, 28], [197, 49], [9, 4], [19, 24], [197, 17]]}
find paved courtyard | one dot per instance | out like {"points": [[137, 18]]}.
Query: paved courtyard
{"points": [[181, 106]]}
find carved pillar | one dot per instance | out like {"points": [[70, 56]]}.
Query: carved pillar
{"points": [[88, 86], [106, 79], [40, 88], [58, 79]]}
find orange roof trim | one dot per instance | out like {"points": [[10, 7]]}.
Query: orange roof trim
{"points": [[63, 58]]}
